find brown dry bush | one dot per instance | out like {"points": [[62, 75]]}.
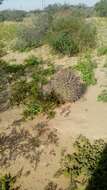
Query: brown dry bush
{"points": [[65, 85]]}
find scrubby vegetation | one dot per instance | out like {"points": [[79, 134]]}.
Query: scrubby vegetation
{"points": [[32, 36], [103, 96], [87, 165], [86, 68], [102, 51], [38, 87], [70, 35], [26, 84], [12, 15], [101, 8]]}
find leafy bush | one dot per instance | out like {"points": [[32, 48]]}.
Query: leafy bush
{"points": [[86, 68], [103, 96], [70, 35], [102, 51], [83, 163]]}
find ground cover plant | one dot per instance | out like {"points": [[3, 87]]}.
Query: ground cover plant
{"points": [[87, 166], [102, 51], [28, 79], [86, 68], [102, 97]]}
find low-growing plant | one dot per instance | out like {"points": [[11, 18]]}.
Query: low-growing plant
{"points": [[7, 182], [20, 92], [102, 51], [26, 86], [32, 109], [103, 96], [86, 68], [82, 165]]}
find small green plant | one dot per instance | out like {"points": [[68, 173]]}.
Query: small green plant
{"points": [[102, 51], [86, 67], [7, 182], [32, 109], [32, 60], [103, 96]]}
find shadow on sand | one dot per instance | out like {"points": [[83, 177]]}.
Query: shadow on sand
{"points": [[98, 179]]}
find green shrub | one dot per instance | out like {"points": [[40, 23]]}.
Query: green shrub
{"points": [[32, 60], [103, 96], [86, 68], [102, 51], [84, 162], [70, 35], [32, 109], [64, 43], [19, 92], [27, 86]]}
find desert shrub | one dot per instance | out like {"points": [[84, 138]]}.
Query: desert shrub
{"points": [[64, 43], [34, 35], [65, 86], [82, 165], [101, 8], [27, 87], [32, 60], [32, 109], [87, 36], [86, 68], [70, 35], [20, 91], [7, 182], [12, 15], [27, 38], [102, 51], [103, 96]]}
